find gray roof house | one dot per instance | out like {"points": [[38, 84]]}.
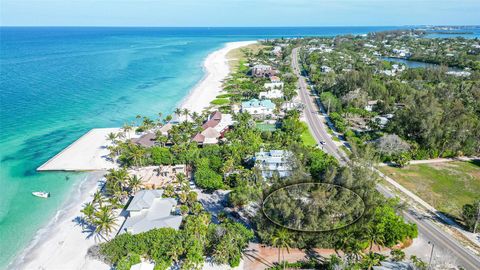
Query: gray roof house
{"points": [[273, 161], [148, 210]]}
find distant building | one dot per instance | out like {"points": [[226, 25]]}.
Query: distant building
{"points": [[143, 266], [277, 51], [370, 105], [275, 79], [148, 210], [273, 161], [271, 94], [459, 73], [165, 129], [275, 85], [325, 69], [257, 107], [261, 71]]}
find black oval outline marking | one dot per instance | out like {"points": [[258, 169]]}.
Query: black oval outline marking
{"points": [[315, 183]]}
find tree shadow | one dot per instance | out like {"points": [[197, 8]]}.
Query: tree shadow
{"points": [[87, 228]]}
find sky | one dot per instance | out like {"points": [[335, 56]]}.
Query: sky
{"points": [[238, 12]]}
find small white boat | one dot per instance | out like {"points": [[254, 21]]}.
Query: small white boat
{"points": [[41, 194]]}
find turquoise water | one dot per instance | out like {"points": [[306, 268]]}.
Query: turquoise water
{"points": [[57, 83]]}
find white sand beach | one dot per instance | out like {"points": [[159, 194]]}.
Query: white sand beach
{"points": [[217, 69], [62, 244], [88, 153]]}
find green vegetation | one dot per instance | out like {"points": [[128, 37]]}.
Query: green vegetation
{"points": [[307, 137], [313, 207], [436, 114], [220, 101], [187, 246], [446, 186], [471, 216]]}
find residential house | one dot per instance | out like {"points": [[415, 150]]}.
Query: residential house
{"points": [[165, 129], [275, 79], [271, 94], [259, 108], [277, 51], [325, 69], [148, 210], [261, 71], [275, 85], [272, 162], [146, 140], [214, 128]]}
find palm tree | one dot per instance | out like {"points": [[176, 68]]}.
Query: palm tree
{"points": [[374, 236], [178, 112], [282, 240], [104, 222], [98, 198], [134, 183], [112, 137], [88, 211], [186, 112], [126, 129]]}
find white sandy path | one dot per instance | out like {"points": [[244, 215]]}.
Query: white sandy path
{"points": [[217, 69]]}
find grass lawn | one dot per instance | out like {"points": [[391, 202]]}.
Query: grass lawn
{"points": [[307, 137], [235, 56], [447, 186], [220, 101]]}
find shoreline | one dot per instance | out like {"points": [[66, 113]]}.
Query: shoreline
{"points": [[61, 244], [49, 240], [216, 70]]}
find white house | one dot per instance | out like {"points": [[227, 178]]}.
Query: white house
{"points": [[148, 210], [273, 161], [271, 94], [257, 107]]}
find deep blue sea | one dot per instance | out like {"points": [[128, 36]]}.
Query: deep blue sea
{"points": [[57, 83]]}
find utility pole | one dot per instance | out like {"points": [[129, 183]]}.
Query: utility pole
{"points": [[478, 218], [328, 109], [431, 256]]}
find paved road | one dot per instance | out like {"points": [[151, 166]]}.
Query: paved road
{"points": [[426, 228]]}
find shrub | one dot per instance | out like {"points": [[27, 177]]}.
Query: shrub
{"points": [[161, 156], [208, 179]]}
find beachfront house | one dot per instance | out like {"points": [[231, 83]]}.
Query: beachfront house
{"points": [[148, 210], [214, 128], [273, 162], [146, 140], [259, 108]]}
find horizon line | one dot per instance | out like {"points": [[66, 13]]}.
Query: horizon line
{"points": [[300, 26]]}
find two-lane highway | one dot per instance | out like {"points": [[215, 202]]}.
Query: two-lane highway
{"points": [[426, 228]]}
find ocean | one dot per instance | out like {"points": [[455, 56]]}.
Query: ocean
{"points": [[58, 83]]}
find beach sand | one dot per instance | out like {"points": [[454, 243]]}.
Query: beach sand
{"points": [[217, 69], [62, 244]]}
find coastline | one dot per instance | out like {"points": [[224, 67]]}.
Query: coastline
{"points": [[61, 244], [210, 86], [46, 250]]}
